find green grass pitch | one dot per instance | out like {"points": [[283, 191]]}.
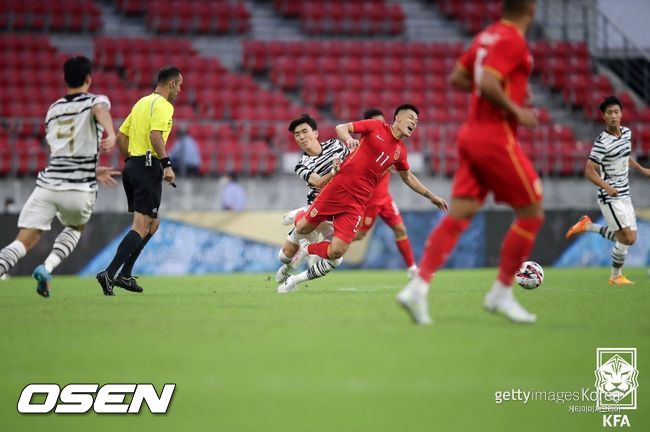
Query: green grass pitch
{"points": [[338, 355]]}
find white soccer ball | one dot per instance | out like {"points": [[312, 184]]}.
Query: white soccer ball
{"points": [[530, 275]]}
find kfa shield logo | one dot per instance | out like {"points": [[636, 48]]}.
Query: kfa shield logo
{"points": [[616, 378], [397, 153]]}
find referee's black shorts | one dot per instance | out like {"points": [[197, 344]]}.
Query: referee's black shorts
{"points": [[143, 185]]}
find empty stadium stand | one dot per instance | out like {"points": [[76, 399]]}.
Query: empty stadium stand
{"points": [[351, 58]]}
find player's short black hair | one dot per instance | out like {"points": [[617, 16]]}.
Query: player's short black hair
{"points": [[75, 71], [305, 118], [609, 101], [516, 7], [167, 73], [406, 107], [372, 112]]}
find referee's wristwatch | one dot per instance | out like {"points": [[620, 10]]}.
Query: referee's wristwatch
{"points": [[166, 162]]}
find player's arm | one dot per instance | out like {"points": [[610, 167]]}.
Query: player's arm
{"points": [[491, 89], [319, 181], [343, 131], [592, 172], [638, 167], [102, 114], [416, 185], [460, 79]]}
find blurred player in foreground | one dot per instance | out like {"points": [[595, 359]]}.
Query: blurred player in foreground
{"points": [[608, 168], [495, 68], [67, 187]]}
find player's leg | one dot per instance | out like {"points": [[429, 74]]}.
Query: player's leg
{"points": [[586, 225], [143, 193], [438, 246], [317, 270], [26, 239], [344, 229], [390, 214], [286, 253], [468, 194], [367, 222], [35, 217], [515, 248], [331, 253], [74, 209], [620, 214], [513, 180], [124, 279]]}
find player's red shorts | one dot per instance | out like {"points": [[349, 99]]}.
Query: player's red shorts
{"points": [[336, 204], [387, 211], [492, 161]]}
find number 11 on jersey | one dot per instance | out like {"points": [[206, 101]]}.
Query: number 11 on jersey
{"points": [[385, 158]]}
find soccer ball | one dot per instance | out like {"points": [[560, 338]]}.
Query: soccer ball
{"points": [[530, 275]]}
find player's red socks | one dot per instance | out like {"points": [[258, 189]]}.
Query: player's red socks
{"points": [[440, 244], [404, 247], [319, 249], [516, 246]]}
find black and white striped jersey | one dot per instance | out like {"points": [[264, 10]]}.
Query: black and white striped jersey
{"points": [[73, 134], [320, 164], [613, 157]]}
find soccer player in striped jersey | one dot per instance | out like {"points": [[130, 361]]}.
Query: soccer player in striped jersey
{"points": [[607, 168], [67, 187], [382, 204], [344, 199], [317, 166]]}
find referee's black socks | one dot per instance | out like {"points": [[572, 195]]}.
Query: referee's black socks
{"points": [[130, 261], [128, 245]]}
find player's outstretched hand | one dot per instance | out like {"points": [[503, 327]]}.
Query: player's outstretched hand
{"points": [[526, 117], [440, 203], [105, 175], [107, 143], [168, 175], [352, 143]]}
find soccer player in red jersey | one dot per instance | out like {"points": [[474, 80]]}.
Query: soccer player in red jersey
{"points": [[343, 199], [495, 69], [382, 204]]}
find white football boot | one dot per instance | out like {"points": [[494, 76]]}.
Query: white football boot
{"points": [[412, 272], [290, 217], [282, 274], [413, 298], [501, 299], [288, 286]]}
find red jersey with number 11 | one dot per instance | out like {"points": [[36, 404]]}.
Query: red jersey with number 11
{"points": [[378, 150], [500, 49]]}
